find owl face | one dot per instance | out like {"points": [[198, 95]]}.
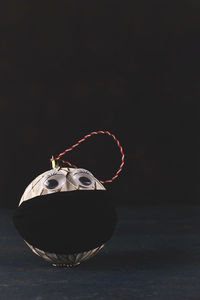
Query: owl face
{"points": [[61, 180], [62, 227]]}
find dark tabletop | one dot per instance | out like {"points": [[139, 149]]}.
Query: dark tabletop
{"points": [[154, 254]]}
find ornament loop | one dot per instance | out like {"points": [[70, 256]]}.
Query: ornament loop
{"points": [[54, 160]]}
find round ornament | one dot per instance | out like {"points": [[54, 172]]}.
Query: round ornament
{"points": [[65, 214]]}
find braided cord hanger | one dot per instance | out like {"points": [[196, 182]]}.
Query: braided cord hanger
{"points": [[82, 140]]}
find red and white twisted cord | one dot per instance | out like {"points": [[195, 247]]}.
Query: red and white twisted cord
{"points": [[83, 139]]}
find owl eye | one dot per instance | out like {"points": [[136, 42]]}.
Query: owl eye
{"points": [[54, 182], [83, 178]]}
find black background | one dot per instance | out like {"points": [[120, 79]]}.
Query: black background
{"points": [[131, 67]]}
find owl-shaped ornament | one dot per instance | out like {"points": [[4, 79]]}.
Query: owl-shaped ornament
{"points": [[66, 215]]}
